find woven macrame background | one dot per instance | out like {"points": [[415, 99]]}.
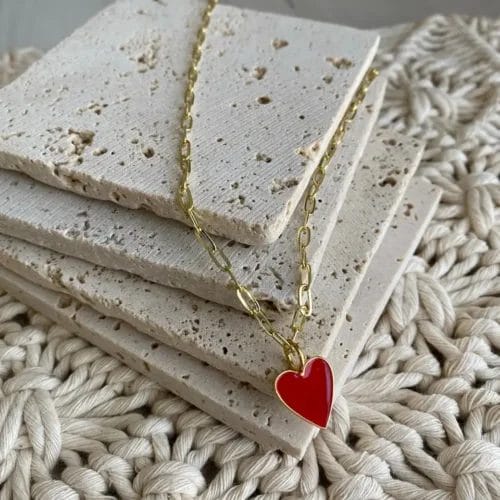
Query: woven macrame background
{"points": [[420, 417]]}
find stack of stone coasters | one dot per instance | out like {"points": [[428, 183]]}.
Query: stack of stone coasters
{"points": [[91, 234]]}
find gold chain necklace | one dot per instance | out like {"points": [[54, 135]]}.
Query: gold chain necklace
{"points": [[307, 387]]}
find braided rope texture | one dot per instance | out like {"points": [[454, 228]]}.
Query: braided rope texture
{"points": [[420, 416]]}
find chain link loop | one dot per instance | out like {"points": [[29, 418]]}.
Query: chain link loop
{"points": [[291, 350]]}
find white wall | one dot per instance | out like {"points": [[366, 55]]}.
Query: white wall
{"points": [[44, 22]]}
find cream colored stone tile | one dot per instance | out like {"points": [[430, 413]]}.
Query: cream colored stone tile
{"points": [[210, 332], [99, 115], [166, 252], [256, 415]]}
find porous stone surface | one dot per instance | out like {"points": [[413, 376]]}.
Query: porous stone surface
{"points": [[99, 115], [256, 415], [219, 335], [166, 252]]}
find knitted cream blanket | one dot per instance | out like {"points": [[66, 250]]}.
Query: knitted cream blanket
{"points": [[420, 417]]}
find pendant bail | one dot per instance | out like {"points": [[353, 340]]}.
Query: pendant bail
{"points": [[308, 393], [294, 356]]}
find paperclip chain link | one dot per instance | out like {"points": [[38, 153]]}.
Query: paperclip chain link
{"points": [[293, 353]]}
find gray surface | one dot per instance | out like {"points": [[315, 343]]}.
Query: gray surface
{"points": [[44, 23]]}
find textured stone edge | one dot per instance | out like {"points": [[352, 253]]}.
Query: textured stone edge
{"points": [[231, 226], [332, 300], [348, 346]]}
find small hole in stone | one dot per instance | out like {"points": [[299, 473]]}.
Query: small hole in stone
{"points": [[148, 152], [388, 181], [64, 302], [115, 196], [340, 62], [263, 157], [264, 99], [224, 350], [117, 326], [259, 72], [154, 345], [279, 44]]}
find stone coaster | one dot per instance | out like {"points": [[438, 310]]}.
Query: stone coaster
{"points": [[256, 415], [222, 336], [167, 253], [100, 113]]}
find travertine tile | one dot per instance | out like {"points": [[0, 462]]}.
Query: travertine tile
{"points": [[99, 114], [220, 335], [166, 252], [250, 412]]}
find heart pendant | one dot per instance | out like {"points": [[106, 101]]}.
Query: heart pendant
{"points": [[309, 393]]}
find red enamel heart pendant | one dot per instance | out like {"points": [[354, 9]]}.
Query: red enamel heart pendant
{"points": [[309, 393]]}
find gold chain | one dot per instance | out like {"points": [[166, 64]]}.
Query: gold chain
{"points": [[293, 354]]}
